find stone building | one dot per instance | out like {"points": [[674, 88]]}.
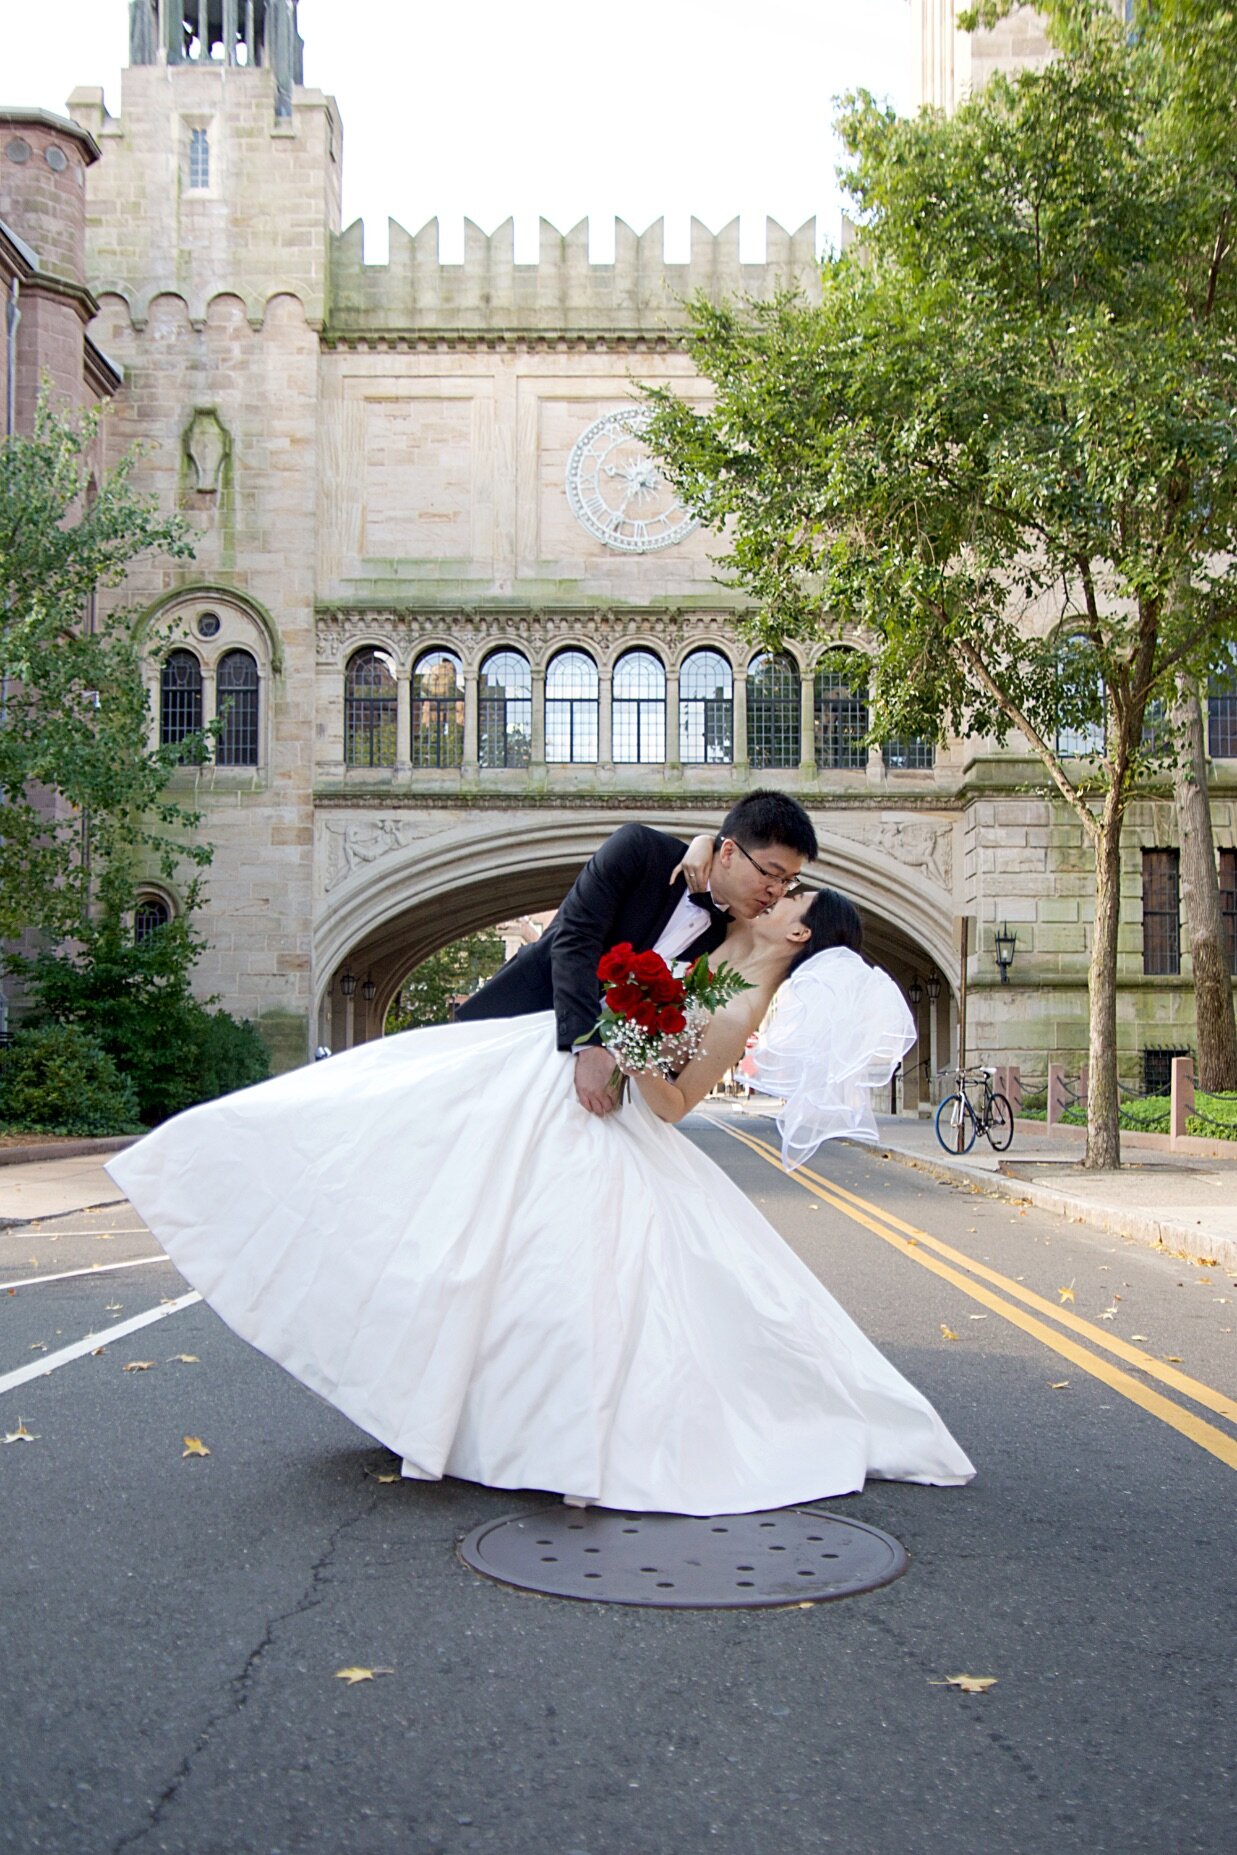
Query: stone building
{"points": [[456, 623]]}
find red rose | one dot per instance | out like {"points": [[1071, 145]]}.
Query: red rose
{"points": [[667, 991], [616, 963], [670, 1021], [649, 967], [645, 1015], [622, 999]]}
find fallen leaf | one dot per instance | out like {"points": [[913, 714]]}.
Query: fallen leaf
{"points": [[96, 1350], [1109, 1314], [947, 1333], [113, 1307], [353, 1675], [1066, 1294], [1139, 1336], [21, 1434], [971, 1684], [194, 1446], [34, 1262], [1174, 1359], [103, 1236], [138, 1365], [977, 1317], [38, 1346], [1059, 1384], [184, 1359]]}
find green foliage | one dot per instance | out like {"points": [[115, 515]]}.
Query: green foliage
{"points": [[1214, 1117], [432, 988], [136, 1000], [54, 1079], [80, 786]]}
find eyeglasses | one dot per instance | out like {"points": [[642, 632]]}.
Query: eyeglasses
{"points": [[787, 884]]}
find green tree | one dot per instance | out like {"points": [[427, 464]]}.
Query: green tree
{"points": [[432, 988], [1010, 420], [81, 789]]}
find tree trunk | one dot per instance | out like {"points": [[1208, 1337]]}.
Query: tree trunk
{"points": [[1200, 894], [1103, 1096]]}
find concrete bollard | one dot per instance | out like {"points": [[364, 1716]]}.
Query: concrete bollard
{"points": [[1058, 1100], [1012, 1088], [1182, 1095]]}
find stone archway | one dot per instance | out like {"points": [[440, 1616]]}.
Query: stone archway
{"points": [[399, 889]]}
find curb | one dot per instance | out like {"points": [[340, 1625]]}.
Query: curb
{"points": [[1156, 1233], [39, 1150]]}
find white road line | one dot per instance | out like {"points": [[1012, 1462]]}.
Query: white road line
{"points": [[96, 1268], [42, 1367]]}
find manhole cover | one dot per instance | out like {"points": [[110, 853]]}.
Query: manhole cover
{"points": [[728, 1561]]}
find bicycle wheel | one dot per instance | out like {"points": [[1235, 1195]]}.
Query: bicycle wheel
{"points": [[1000, 1123], [956, 1112]]}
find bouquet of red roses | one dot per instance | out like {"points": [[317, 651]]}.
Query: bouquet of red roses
{"points": [[652, 1020]]}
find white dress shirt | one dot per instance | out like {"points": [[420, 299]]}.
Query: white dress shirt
{"points": [[686, 924]]}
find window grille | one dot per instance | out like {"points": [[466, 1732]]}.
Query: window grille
{"points": [[438, 710], [915, 755], [1222, 716], [1161, 912], [151, 913], [1228, 905], [369, 710], [571, 709], [841, 715], [773, 712], [1158, 1070], [236, 700], [639, 709], [706, 710], [180, 702], [199, 159], [505, 710]]}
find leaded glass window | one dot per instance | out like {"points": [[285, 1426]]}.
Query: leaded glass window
{"points": [[369, 709], [916, 755], [1079, 681], [706, 710], [236, 701], [1161, 911], [505, 710], [438, 710], [639, 709], [199, 158], [571, 709], [180, 701], [151, 913], [840, 710], [1222, 716], [773, 712]]}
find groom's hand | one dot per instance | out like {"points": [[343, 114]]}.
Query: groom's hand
{"points": [[594, 1068]]}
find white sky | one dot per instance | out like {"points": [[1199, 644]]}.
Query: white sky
{"points": [[563, 108]]}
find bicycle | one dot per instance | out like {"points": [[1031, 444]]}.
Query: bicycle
{"points": [[958, 1120]]}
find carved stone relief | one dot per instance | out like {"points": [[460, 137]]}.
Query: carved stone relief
{"points": [[208, 444]]}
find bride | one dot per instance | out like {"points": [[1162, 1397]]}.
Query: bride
{"points": [[431, 1233]]}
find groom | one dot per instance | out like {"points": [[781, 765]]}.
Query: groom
{"points": [[624, 893]]}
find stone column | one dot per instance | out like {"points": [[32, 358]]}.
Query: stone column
{"points": [[876, 767], [807, 724], [537, 745], [741, 762], [673, 764], [605, 719], [934, 1036], [471, 745], [209, 699], [403, 721], [349, 1004]]}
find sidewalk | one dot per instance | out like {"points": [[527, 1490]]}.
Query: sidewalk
{"points": [[54, 1187]]}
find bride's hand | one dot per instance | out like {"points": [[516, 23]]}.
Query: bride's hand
{"points": [[696, 865]]}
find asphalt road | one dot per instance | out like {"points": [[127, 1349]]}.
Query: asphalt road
{"points": [[173, 1627]]}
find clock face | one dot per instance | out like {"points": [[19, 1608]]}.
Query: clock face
{"points": [[616, 488]]}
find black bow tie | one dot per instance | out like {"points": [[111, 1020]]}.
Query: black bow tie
{"points": [[703, 899]]}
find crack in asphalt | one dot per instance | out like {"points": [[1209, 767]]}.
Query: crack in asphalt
{"points": [[239, 1687]]}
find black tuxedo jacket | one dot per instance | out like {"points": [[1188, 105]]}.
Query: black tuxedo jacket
{"points": [[623, 893]]}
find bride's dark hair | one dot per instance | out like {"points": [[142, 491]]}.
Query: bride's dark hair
{"points": [[832, 921]]}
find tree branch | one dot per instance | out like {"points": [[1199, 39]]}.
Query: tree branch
{"points": [[1069, 793]]}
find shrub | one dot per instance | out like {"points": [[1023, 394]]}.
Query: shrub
{"points": [[55, 1079]]}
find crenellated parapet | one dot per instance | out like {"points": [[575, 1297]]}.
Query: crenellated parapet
{"points": [[639, 295]]}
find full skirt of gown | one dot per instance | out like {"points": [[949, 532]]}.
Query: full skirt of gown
{"points": [[431, 1233]]}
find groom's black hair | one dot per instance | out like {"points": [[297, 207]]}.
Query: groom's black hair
{"points": [[833, 921], [763, 818]]}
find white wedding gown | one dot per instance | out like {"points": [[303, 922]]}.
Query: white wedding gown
{"points": [[432, 1234]]}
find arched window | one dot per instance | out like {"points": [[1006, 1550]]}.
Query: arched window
{"points": [[180, 700], [773, 712], [706, 710], [236, 703], [571, 709], [840, 708], [438, 710], [369, 709], [505, 710], [1222, 713], [1080, 691], [151, 913], [639, 709]]}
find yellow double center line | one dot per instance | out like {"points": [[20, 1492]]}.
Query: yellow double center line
{"points": [[930, 1253]]}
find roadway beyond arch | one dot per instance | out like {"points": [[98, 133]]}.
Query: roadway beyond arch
{"points": [[392, 903]]}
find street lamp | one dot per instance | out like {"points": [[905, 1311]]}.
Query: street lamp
{"points": [[934, 987], [347, 983], [368, 989], [914, 992], [1005, 943]]}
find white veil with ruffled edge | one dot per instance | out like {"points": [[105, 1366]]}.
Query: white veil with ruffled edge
{"points": [[837, 1031]]}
